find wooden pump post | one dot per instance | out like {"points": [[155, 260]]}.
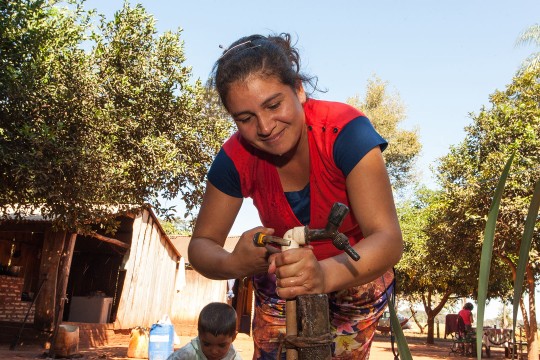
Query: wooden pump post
{"points": [[307, 319]]}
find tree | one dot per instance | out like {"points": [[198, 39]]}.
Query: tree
{"points": [[176, 226], [386, 112], [531, 35], [427, 273], [97, 119], [468, 175]]}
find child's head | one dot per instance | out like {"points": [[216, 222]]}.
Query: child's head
{"points": [[468, 306], [217, 329]]}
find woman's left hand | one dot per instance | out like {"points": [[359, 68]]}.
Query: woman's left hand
{"points": [[298, 272]]}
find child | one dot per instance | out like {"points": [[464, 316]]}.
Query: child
{"points": [[217, 331]]}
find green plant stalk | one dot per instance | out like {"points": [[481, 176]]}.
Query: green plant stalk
{"points": [[524, 250], [487, 251], [403, 347]]}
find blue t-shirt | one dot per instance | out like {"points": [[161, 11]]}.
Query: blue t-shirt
{"points": [[356, 139]]}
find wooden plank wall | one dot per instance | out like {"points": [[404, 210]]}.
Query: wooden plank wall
{"points": [[197, 292], [150, 266]]}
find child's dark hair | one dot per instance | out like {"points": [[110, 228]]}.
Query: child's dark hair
{"points": [[468, 306], [217, 318], [272, 55]]}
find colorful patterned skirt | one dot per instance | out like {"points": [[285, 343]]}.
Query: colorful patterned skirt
{"points": [[353, 312]]}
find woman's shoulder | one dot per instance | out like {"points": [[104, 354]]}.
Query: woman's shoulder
{"points": [[330, 111]]}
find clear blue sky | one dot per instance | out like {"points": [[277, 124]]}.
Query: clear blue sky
{"points": [[444, 58]]}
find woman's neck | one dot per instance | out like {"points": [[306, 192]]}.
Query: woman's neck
{"points": [[293, 167]]}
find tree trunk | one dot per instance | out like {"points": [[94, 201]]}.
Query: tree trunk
{"points": [[430, 327], [63, 276], [53, 246], [415, 319], [432, 313]]}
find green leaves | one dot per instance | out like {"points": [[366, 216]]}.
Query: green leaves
{"points": [[487, 250], [118, 123], [524, 251], [403, 347], [386, 112]]}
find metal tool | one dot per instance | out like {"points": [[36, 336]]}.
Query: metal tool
{"points": [[261, 240]]}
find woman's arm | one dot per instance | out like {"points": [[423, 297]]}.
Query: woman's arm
{"points": [[206, 254], [372, 203]]}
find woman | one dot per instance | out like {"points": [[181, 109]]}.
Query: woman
{"points": [[467, 316], [296, 157]]}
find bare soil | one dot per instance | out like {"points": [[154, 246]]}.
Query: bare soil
{"points": [[117, 349]]}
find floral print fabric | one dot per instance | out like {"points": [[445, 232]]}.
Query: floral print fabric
{"points": [[353, 313]]}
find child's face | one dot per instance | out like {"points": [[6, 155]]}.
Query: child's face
{"points": [[215, 347]]}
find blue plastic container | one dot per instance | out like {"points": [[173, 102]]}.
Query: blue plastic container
{"points": [[161, 343]]}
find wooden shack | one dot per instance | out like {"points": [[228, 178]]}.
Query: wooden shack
{"points": [[119, 281], [196, 291]]}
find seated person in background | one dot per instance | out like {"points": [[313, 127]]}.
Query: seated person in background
{"points": [[466, 315], [217, 330]]}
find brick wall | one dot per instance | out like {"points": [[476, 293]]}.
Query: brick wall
{"points": [[11, 307]]}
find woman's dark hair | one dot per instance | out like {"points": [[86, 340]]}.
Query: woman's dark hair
{"points": [[468, 306], [217, 319], [268, 56]]}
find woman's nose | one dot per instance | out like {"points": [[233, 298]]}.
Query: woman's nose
{"points": [[265, 126]]}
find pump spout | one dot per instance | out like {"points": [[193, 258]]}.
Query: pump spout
{"points": [[335, 219]]}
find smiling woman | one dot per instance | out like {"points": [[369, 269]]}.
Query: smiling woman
{"points": [[296, 157]]}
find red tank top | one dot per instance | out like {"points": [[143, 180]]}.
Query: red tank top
{"points": [[259, 178]]}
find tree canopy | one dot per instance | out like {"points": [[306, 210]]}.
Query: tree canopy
{"points": [[386, 112], [98, 116], [531, 35], [469, 173]]}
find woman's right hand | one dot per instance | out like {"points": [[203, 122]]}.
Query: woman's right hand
{"points": [[249, 258], [206, 253]]}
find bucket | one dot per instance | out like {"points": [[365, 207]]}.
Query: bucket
{"points": [[138, 343], [67, 341], [161, 343]]}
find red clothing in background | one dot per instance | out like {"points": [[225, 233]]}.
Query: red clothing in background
{"points": [[466, 315]]}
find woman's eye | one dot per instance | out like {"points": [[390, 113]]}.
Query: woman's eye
{"points": [[243, 120], [274, 105]]}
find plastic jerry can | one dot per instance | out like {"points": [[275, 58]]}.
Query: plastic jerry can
{"points": [[161, 343], [138, 343]]}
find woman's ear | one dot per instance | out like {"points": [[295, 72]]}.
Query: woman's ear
{"points": [[301, 93]]}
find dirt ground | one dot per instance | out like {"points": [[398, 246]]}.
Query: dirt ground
{"points": [[381, 349]]}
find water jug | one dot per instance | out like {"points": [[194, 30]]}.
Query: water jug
{"points": [[161, 343]]}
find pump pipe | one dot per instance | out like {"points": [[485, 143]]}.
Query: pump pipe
{"points": [[302, 235], [291, 240]]}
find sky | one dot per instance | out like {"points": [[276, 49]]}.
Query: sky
{"points": [[443, 58]]}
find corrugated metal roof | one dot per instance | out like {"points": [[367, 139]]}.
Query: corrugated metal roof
{"points": [[34, 215], [26, 215]]}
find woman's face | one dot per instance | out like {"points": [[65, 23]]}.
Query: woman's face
{"points": [[268, 113]]}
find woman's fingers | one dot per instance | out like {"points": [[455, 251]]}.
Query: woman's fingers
{"points": [[297, 272]]}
